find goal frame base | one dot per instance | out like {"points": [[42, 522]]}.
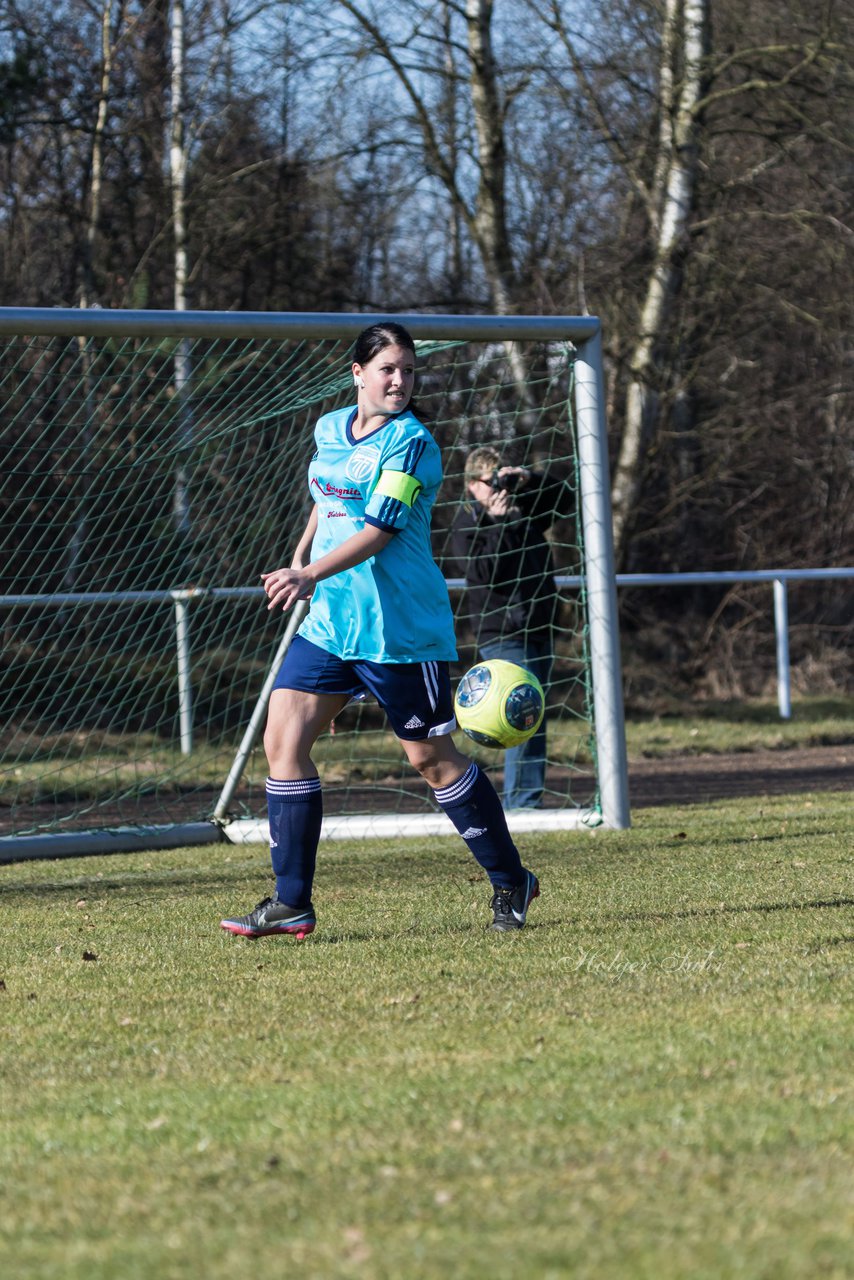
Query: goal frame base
{"points": [[414, 825], [78, 844]]}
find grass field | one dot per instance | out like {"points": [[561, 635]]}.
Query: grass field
{"points": [[654, 1079], [725, 727]]}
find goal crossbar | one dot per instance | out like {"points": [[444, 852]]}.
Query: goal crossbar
{"points": [[93, 322]]}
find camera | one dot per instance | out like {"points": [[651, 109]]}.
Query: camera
{"points": [[509, 483]]}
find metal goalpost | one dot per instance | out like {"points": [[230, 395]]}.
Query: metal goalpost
{"points": [[579, 333]]}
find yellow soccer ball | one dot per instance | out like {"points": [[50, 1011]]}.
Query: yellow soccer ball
{"points": [[499, 704]]}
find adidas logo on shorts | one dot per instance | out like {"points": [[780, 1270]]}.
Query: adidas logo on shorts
{"points": [[414, 723]]}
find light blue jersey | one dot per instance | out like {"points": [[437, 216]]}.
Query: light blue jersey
{"points": [[393, 607]]}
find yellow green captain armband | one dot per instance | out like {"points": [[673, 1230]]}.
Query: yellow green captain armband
{"points": [[397, 484]]}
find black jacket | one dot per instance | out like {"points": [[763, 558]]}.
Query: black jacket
{"points": [[507, 564]]}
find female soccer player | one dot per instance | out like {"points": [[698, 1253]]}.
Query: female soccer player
{"points": [[380, 622]]}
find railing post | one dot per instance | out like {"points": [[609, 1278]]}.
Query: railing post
{"points": [[781, 630], [185, 688]]}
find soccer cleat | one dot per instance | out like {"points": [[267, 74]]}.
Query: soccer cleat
{"points": [[510, 906], [272, 916]]}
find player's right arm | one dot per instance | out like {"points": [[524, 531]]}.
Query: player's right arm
{"points": [[285, 586], [302, 554]]}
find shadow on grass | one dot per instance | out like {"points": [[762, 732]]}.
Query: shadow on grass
{"points": [[846, 940], [702, 913], [218, 879], [153, 882]]}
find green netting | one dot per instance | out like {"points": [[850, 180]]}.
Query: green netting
{"points": [[146, 484]]}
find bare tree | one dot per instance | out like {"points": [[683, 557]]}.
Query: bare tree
{"points": [[473, 62], [485, 213], [663, 186], [665, 104], [88, 290]]}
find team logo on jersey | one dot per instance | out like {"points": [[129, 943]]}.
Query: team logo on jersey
{"points": [[362, 463], [335, 491]]}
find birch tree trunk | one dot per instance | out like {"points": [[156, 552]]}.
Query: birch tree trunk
{"points": [[178, 180], [87, 294], [670, 199], [178, 156], [87, 285]]}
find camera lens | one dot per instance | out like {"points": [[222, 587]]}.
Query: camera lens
{"points": [[508, 483]]}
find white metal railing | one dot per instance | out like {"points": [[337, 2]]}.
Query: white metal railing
{"points": [[779, 578], [182, 598]]}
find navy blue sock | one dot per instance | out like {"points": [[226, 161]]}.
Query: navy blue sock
{"points": [[473, 806], [295, 810]]}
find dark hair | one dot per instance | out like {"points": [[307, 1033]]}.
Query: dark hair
{"points": [[377, 337]]}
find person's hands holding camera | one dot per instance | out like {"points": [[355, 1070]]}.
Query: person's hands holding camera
{"points": [[503, 484]]}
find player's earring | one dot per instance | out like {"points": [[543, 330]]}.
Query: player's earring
{"points": [[358, 381]]}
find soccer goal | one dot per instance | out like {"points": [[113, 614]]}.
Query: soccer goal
{"points": [[154, 465]]}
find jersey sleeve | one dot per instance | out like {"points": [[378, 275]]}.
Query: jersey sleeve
{"points": [[402, 476]]}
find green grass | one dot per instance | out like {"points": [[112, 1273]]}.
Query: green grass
{"points": [[719, 727], [652, 1080]]}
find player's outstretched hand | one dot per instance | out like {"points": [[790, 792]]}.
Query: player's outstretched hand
{"points": [[285, 586]]}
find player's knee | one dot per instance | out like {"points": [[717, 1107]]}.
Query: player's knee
{"points": [[430, 772], [437, 760], [279, 750]]}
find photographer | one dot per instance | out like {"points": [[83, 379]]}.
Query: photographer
{"points": [[511, 601]]}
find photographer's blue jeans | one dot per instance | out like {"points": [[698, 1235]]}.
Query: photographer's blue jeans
{"points": [[524, 766]]}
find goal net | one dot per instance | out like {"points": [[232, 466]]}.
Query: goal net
{"points": [[154, 465]]}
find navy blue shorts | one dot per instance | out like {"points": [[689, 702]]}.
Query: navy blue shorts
{"points": [[416, 696]]}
